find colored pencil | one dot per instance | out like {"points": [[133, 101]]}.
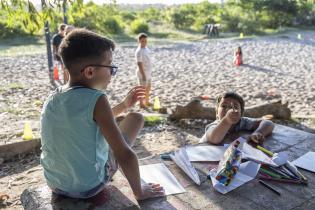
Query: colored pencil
{"points": [[264, 150], [271, 174], [269, 187]]}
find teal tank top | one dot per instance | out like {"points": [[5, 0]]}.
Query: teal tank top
{"points": [[74, 151]]}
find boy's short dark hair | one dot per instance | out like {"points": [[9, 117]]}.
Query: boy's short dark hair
{"points": [[82, 47], [142, 35], [62, 27], [232, 95]]}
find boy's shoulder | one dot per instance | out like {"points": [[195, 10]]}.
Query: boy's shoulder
{"points": [[74, 91], [57, 37], [247, 123]]}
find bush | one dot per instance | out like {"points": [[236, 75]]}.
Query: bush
{"points": [[139, 26], [111, 25], [128, 16], [183, 17], [9, 32]]}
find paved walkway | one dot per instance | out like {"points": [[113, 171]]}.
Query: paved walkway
{"points": [[252, 195]]}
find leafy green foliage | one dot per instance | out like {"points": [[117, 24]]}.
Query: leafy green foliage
{"points": [[139, 26], [248, 16]]}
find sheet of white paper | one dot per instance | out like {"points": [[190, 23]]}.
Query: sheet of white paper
{"points": [[251, 153], [205, 153], [247, 172], [306, 161], [180, 157], [280, 158], [159, 174]]}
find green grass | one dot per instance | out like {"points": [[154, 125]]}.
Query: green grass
{"points": [[11, 86], [22, 46], [15, 86], [11, 110]]}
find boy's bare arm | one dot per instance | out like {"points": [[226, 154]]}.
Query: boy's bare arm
{"points": [[265, 127], [135, 94], [217, 134], [141, 69], [126, 158], [119, 108], [55, 51]]}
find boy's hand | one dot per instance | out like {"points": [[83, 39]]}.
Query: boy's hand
{"points": [[135, 94], [150, 191], [256, 138], [232, 116]]}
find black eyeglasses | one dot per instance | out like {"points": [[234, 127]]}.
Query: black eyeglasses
{"points": [[113, 69]]}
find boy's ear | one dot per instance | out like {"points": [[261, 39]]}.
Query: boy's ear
{"points": [[88, 72]]}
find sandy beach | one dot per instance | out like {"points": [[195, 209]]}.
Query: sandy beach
{"points": [[279, 67]]}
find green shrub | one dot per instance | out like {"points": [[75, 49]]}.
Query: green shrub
{"points": [[9, 32], [128, 16], [111, 25], [139, 26], [183, 17]]}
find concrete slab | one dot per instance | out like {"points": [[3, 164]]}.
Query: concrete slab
{"points": [[251, 195]]}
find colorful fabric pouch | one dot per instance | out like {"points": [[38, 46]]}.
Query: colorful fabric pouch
{"points": [[229, 164]]}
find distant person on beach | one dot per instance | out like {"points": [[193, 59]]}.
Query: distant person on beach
{"points": [[56, 41], [144, 69], [238, 57], [82, 145], [229, 113]]}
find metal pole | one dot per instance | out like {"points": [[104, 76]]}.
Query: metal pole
{"points": [[64, 6], [48, 45]]}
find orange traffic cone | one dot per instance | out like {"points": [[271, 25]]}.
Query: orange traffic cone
{"points": [[56, 73]]}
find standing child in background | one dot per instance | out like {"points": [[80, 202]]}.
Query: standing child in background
{"points": [[56, 41], [229, 111], [238, 57], [144, 68], [82, 145]]}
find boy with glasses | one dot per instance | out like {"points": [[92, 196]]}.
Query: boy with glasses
{"points": [[229, 111], [82, 145]]}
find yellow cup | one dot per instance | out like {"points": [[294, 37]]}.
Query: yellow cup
{"points": [[28, 133], [157, 104]]}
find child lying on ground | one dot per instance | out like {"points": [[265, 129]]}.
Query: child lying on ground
{"points": [[82, 145], [229, 111]]}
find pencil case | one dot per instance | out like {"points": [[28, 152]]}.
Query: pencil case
{"points": [[229, 164]]}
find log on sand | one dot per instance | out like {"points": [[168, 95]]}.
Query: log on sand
{"points": [[195, 110]]}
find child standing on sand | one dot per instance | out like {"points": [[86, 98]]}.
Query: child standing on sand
{"points": [[82, 145], [229, 111], [238, 57], [144, 69]]}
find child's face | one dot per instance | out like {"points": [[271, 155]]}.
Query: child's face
{"points": [[103, 75], [143, 42], [62, 32], [225, 105]]}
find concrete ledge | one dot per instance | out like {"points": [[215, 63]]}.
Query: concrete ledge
{"points": [[42, 198], [8, 151]]}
